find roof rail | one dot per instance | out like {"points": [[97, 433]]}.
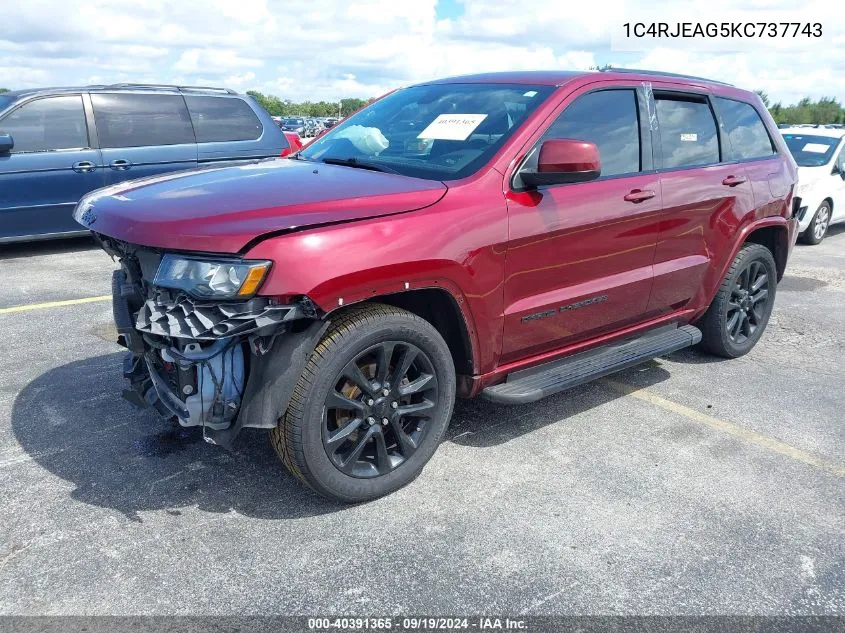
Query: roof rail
{"points": [[638, 71], [173, 87]]}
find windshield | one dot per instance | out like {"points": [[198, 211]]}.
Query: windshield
{"points": [[294, 122], [438, 132], [809, 150], [4, 101]]}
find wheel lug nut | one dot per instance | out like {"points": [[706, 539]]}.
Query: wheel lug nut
{"points": [[385, 392], [394, 405], [384, 421], [370, 402], [371, 420]]}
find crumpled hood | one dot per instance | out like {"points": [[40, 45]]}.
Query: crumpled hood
{"points": [[221, 210]]}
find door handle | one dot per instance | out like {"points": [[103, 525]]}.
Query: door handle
{"points": [[83, 167], [638, 195], [120, 164], [733, 181]]}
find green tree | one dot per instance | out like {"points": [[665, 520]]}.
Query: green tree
{"points": [[2, 90], [271, 103], [825, 110], [348, 106]]}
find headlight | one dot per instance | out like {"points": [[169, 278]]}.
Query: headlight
{"points": [[211, 278]]}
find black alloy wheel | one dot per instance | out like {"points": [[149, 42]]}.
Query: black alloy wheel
{"points": [[371, 406], [380, 409], [748, 304], [740, 310]]}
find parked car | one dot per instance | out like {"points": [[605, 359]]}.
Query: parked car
{"points": [[820, 154], [58, 144], [561, 226], [295, 125], [312, 127]]}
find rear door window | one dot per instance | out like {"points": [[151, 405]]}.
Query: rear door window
{"points": [[609, 119], [747, 135], [221, 119], [688, 134], [138, 120], [47, 124]]}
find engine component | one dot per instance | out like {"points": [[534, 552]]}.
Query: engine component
{"points": [[216, 398]]}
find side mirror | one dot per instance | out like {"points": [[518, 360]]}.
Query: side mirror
{"points": [[564, 160], [6, 143]]}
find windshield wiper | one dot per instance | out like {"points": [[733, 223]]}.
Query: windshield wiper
{"points": [[361, 164]]}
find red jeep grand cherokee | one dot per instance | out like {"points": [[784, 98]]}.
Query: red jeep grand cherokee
{"points": [[506, 235]]}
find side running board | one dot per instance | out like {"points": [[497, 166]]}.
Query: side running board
{"points": [[530, 385]]}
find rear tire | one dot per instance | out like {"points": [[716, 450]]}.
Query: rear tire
{"points": [[740, 311], [815, 233], [344, 402]]}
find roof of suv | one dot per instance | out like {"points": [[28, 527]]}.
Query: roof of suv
{"points": [[25, 92], [560, 77]]}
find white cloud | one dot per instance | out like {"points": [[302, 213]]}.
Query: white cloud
{"points": [[198, 60], [326, 49]]}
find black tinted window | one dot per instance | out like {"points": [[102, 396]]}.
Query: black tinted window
{"points": [[218, 119], [136, 120], [810, 150], [687, 133], [747, 134], [46, 124], [608, 119]]}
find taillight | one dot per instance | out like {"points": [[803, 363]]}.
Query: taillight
{"points": [[285, 152]]}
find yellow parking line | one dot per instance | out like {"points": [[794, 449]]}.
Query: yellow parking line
{"points": [[54, 304], [764, 441]]}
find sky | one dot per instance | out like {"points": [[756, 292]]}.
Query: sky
{"points": [[329, 49]]}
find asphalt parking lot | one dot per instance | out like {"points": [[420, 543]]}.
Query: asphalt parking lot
{"points": [[686, 486]]}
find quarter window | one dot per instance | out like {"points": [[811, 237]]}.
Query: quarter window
{"points": [[609, 119], [48, 124], [746, 132], [137, 120], [220, 119], [687, 132]]}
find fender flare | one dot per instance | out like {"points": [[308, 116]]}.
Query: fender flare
{"points": [[744, 232], [396, 288]]}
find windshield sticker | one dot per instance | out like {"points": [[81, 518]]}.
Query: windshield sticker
{"points": [[816, 148], [530, 93], [452, 127], [689, 137]]}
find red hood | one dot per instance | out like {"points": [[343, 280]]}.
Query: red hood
{"points": [[221, 210]]}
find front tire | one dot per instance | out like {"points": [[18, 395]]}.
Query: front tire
{"points": [[740, 311], [371, 406], [815, 233]]}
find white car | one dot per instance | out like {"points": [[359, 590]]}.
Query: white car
{"points": [[820, 154]]}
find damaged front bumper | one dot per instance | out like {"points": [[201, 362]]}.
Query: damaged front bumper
{"points": [[221, 365]]}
